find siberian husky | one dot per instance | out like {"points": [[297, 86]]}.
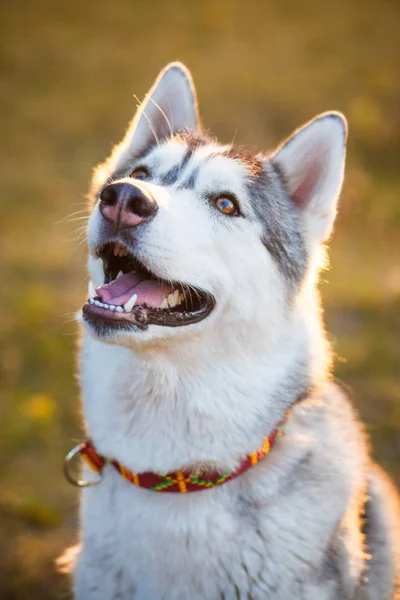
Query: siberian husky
{"points": [[205, 369]]}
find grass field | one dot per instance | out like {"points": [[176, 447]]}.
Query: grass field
{"points": [[68, 75]]}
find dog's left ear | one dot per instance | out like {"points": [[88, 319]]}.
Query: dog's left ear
{"points": [[170, 105], [311, 162]]}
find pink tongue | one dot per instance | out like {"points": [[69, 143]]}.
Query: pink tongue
{"points": [[149, 291]]}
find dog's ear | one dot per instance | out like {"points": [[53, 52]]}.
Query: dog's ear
{"points": [[311, 163], [170, 105]]}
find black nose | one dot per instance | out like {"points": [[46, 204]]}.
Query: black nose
{"points": [[126, 205]]}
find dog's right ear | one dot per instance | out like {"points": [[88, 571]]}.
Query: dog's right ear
{"points": [[311, 162], [170, 105]]}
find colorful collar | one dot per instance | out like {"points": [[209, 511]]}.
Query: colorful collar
{"points": [[176, 481]]}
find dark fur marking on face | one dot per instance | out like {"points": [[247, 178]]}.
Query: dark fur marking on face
{"points": [[175, 172], [193, 142], [281, 223], [190, 182], [171, 176]]}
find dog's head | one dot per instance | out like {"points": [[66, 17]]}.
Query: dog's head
{"points": [[187, 234]]}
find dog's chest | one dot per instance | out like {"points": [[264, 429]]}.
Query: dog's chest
{"points": [[210, 544]]}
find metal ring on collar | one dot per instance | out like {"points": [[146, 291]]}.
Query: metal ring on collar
{"points": [[71, 478]]}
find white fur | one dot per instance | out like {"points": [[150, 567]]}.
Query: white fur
{"points": [[209, 393]]}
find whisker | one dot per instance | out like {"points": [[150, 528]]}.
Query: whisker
{"points": [[75, 220], [81, 242], [171, 112], [148, 120], [79, 232], [233, 139], [69, 317], [81, 228], [163, 113], [69, 218], [195, 291], [185, 291]]}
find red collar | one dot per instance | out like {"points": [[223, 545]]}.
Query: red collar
{"points": [[176, 481]]}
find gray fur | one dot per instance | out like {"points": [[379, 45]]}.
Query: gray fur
{"points": [[313, 520], [382, 541], [281, 223], [171, 176], [189, 182]]}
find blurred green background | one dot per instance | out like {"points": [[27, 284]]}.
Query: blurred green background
{"points": [[68, 74]]}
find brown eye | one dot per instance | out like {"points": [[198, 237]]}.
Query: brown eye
{"points": [[227, 206], [140, 173]]}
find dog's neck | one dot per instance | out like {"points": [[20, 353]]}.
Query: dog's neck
{"points": [[204, 401]]}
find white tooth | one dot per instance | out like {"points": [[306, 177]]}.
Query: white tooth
{"points": [[119, 309], [106, 306], [91, 290], [119, 274], [180, 298], [116, 248], [121, 252], [112, 307], [97, 303], [171, 300], [164, 303], [131, 303]]}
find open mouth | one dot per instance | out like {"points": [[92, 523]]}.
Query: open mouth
{"points": [[134, 297]]}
